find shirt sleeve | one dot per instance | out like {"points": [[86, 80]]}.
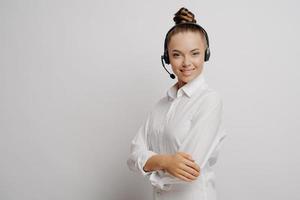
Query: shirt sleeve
{"points": [[202, 140], [217, 146], [204, 130], [139, 149]]}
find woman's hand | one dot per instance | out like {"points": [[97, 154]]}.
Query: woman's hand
{"points": [[182, 166]]}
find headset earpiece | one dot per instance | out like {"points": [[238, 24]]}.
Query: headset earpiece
{"points": [[166, 57], [207, 54]]}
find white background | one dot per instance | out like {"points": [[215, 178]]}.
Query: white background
{"points": [[78, 77]]}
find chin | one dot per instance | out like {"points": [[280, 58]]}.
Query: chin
{"points": [[187, 79]]}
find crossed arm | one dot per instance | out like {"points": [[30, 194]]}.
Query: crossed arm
{"points": [[186, 164]]}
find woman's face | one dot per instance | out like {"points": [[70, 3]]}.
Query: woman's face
{"points": [[186, 53]]}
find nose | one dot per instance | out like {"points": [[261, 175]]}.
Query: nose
{"points": [[186, 62]]}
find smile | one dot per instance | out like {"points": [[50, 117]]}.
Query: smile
{"points": [[187, 72]]}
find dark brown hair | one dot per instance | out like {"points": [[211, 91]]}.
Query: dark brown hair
{"points": [[181, 16]]}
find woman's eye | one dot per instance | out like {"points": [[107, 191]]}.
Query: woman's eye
{"points": [[175, 55], [196, 53]]}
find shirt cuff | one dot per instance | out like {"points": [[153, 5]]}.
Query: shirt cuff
{"points": [[142, 161], [158, 180]]}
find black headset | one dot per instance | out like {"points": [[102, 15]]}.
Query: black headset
{"points": [[165, 57]]}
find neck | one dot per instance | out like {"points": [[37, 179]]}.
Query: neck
{"points": [[180, 84]]}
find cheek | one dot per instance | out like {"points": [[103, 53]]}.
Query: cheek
{"points": [[175, 64], [174, 68], [198, 62]]}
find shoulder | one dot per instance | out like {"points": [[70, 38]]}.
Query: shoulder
{"points": [[209, 101], [211, 97], [160, 103], [157, 106]]}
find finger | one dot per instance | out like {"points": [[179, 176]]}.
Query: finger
{"points": [[197, 167], [192, 165], [191, 171], [183, 178], [186, 155], [187, 175]]}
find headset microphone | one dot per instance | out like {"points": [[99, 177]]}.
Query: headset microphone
{"points": [[162, 61]]}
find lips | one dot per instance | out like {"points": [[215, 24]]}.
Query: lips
{"points": [[187, 72], [184, 70]]}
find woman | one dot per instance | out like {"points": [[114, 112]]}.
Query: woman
{"points": [[178, 143]]}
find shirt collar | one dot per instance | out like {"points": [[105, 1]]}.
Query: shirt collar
{"points": [[188, 89]]}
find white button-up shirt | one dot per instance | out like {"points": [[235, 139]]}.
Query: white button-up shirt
{"points": [[187, 120]]}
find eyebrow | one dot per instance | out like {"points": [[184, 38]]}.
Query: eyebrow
{"points": [[180, 51]]}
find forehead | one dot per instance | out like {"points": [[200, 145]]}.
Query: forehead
{"points": [[185, 41]]}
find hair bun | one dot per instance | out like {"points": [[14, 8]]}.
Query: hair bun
{"points": [[184, 15]]}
